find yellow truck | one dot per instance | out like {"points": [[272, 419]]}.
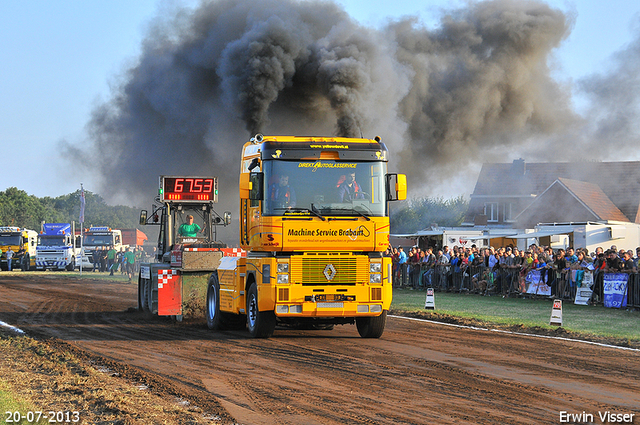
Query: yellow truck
{"points": [[314, 224], [23, 243], [314, 220]]}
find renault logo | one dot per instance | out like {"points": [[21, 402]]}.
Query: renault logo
{"points": [[329, 272]]}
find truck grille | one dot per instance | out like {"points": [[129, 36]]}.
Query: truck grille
{"points": [[329, 269]]}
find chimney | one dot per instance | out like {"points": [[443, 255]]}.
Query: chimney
{"points": [[518, 168]]}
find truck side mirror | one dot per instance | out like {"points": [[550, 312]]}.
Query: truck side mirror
{"points": [[396, 187], [143, 217], [227, 218], [256, 190]]}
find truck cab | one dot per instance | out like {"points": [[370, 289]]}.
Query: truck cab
{"points": [[99, 236], [56, 248], [18, 238], [314, 220]]}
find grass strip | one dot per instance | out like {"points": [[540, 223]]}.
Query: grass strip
{"points": [[590, 322], [11, 403]]}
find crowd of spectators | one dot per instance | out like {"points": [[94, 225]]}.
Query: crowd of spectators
{"points": [[503, 270]]}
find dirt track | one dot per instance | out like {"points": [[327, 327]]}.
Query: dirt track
{"points": [[416, 373]]}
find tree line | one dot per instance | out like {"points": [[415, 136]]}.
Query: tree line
{"points": [[17, 208], [420, 213]]}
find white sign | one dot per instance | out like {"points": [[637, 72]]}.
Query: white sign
{"points": [[430, 302], [536, 285], [584, 291]]}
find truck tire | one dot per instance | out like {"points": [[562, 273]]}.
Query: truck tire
{"points": [[214, 318], [72, 264], [152, 298], [261, 324], [371, 327], [142, 294]]}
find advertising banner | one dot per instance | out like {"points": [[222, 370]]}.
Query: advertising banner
{"points": [[347, 235], [536, 285], [615, 290], [585, 289]]}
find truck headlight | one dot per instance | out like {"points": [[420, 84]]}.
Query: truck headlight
{"points": [[282, 309], [283, 267], [283, 278], [375, 278], [375, 267]]}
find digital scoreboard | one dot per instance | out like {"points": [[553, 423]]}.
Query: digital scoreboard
{"points": [[189, 189]]}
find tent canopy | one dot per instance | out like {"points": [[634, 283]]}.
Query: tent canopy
{"points": [[539, 234]]}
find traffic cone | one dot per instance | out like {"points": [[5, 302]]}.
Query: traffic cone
{"points": [[430, 302], [556, 313]]}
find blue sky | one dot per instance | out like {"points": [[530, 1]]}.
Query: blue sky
{"points": [[59, 58]]}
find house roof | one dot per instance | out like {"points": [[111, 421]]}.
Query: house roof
{"points": [[619, 181], [594, 199], [589, 195]]}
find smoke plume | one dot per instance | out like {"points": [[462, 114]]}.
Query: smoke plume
{"points": [[476, 86], [615, 103]]}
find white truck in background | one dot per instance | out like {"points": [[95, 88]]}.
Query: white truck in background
{"points": [[96, 237], [56, 248]]}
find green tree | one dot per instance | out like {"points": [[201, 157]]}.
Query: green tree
{"points": [[17, 208], [419, 213]]}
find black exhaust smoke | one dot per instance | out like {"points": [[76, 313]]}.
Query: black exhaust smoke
{"points": [[476, 86]]}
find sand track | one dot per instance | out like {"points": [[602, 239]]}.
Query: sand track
{"points": [[416, 373]]}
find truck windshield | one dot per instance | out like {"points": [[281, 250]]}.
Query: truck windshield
{"points": [[13, 240], [325, 187], [98, 240], [51, 241]]}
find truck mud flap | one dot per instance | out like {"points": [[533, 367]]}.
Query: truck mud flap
{"points": [[169, 292]]}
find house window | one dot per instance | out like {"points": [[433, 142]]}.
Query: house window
{"points": [[508, 210], [491, 211]]}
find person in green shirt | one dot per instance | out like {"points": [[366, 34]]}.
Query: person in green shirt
{"points": [[130, 260], [189, 229], [111, 258]]}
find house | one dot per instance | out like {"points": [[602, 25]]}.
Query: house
{"points": [[570, 200], [523, 194]]}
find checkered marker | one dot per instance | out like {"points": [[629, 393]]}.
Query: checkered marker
{"points": [[234, 252], [165, 276], [227, 252]]}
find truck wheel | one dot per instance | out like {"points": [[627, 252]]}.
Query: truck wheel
{"points": [[71, 266], [142, 294], [371, 327], [146, 298], [152, 300], [214, 318], [261, 324]]}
